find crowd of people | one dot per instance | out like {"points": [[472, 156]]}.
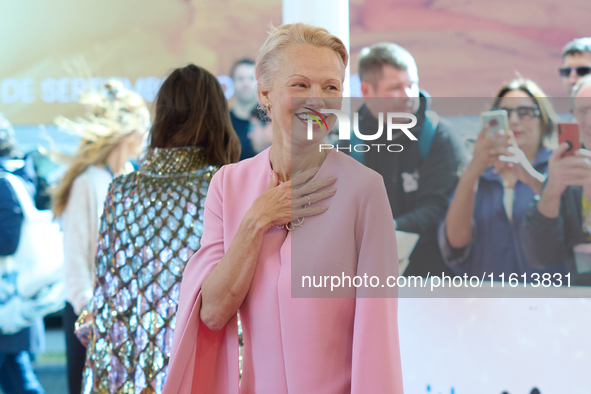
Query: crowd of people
{"points": [[179, 270]]}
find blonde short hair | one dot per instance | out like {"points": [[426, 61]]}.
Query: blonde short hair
{"points": [[283, 37]]}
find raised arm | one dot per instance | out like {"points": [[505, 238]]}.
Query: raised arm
{"points": [[543, 235], [460, 214], [224, 289]]}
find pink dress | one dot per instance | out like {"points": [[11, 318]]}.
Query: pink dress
{"points": [[295, 345]]}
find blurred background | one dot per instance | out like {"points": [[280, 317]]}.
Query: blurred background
{"points": [[51, 51]]}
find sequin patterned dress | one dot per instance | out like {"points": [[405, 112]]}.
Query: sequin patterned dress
{"points": [[151, 226]]}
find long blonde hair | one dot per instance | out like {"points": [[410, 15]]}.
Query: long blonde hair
{"points": [[117, 112]]}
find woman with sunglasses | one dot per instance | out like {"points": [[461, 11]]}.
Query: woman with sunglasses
{"points": [[480, 234]]}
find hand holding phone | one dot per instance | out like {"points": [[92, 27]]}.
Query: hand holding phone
{"points": [[498, 126], [569, 133]]}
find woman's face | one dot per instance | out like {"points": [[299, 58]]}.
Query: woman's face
{"points": [[309, 79], [524, 119]]}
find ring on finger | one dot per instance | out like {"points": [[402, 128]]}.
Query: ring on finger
{"points": [[297, 223], [309, 201]]}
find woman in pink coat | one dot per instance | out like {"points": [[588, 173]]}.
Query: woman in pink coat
{"points": [[292, 211]]}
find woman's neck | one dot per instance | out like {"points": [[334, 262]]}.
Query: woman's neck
{"points": [[287, 160], [116, 160]]}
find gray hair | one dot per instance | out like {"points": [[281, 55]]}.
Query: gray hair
{"points": [[285, 36], [577, 46]]}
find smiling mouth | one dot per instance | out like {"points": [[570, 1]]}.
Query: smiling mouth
{"points": [[317, 120], [312, 115], [305, 116]]}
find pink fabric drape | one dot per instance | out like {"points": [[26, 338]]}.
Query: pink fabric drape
{"points": [[295, 344]]}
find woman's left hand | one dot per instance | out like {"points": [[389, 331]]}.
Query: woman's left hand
{"points": [[83, 325], [513, 159]]}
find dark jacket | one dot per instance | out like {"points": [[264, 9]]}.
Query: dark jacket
{"points": [[11, 215], [418, 210], [242, 126], [11, 218], [547, 241]]}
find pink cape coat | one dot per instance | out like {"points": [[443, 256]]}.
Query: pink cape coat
{"points": [[295, 345]]}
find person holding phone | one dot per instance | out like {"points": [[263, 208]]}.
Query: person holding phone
{"points": [[561, 218], [480, 232]]}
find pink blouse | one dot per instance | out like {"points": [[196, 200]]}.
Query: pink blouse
{"points": [[293, 343]]}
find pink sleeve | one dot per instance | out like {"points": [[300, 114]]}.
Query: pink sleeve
{"points": [[203, 361], [376, 351]]}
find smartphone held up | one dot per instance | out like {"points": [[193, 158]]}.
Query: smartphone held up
{"points": [[569, 133], [498, 126]]}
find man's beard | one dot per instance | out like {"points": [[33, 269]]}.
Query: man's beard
{"points": [[245, 98]]}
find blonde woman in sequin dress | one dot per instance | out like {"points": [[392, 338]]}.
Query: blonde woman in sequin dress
{"points": [[110, 136], [151, 226]]}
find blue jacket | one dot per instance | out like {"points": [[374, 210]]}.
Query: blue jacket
{"points": [[11, 218], [496, 245]]}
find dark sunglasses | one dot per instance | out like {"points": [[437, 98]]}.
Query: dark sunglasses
{"points": [[581, 71], [524, 112]]}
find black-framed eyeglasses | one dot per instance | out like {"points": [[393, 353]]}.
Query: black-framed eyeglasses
{"points": [[524, 112], [581, 71]]}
